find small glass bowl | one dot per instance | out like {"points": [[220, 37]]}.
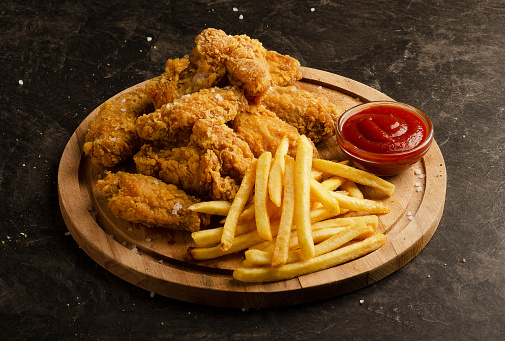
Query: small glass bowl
{"points": [[384, 164]]}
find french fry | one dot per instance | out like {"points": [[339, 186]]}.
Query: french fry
{"points": [[371, 220], [324, 196], [261, 194], [238, 243], [353, 174], [264, 258], [343, 236], [333, 183], [351, 188], [211, 237], [360, 205], [280, 254], [237, 206], [277, 171], [325, 261], [303, 162], [212, 207]]}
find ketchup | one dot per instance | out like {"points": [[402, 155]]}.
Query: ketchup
{"points": [[385, 129], [384, 138]]}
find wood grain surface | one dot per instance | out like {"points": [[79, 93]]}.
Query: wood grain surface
{"points": [[160, 264]]}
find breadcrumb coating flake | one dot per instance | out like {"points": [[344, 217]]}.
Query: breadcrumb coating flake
{"points": [[312, 114], [174, 121], [146, 200], [192, 169], [112, 135]]}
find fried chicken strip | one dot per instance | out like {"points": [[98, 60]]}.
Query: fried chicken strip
{"points": [[313, 115], [234, 153], [193, 169], [263, 131], [112, 135], [174, 122], [245, 61], [146, 200]]}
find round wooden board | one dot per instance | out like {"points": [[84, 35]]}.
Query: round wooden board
{"points": [[160, 265]]}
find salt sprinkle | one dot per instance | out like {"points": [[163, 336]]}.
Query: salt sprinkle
{"points": [[113, 139], [123, 100], [212, 90], [417, 183], [421, 176], [123, 243], [135, 250], [409, 213], [67, 233], [417, 171], [148, 240], [419, 189], [152, 294], [219, 97], [160, 261], [123, 109], [241, 17], [411, 217], [312, 9], [149, 38], [235, 9], [319, 87], [361, 301], [176, 208], [21, 82]]}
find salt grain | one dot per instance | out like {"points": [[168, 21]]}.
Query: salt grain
{"points": [[67, 233], [219, 97], [149, 38], [417, 171], [123, 100], [176, 208], [235, 9], [21, 82], [361, 301], [419, 189], [241, 17], [152, 294], [160, 261], [123, 109], [148, 240], [417, 183], [135, 250], [113, 139], [312, 9]]}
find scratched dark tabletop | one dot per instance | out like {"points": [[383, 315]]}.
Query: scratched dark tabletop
{"points": [[61, 59]]}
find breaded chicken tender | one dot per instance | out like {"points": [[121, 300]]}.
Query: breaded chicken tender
{"points": [[313, 115], [263, 131], [234, 153], [174, 121], [146, 200], [192, 169], [245, 62], [112, 135]]}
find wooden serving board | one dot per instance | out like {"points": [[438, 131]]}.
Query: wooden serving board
{"points": [[155, 259]]}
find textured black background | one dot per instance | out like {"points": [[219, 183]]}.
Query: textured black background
{"points": [[444, 57]]}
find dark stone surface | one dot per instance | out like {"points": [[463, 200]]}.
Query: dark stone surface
{"points": [[444, 57]]}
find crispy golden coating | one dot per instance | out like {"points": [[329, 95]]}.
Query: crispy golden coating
{"points": [[112, 135], [284, 69], [246, 63], [263, 130], [234, 153], [313, 115], [192, 169], [146, 200], [174, 122]]}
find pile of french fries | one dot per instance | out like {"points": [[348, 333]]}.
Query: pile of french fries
{"points": [[287, 215]]}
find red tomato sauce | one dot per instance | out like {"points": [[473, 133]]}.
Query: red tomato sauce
{"points": [[384, 129]]}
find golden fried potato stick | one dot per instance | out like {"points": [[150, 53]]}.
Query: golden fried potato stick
{"points": [[353, 190], [217, 207], [277, 171], [237, 206], [353, 174], [261, 195], [280, 254], [332, 241], [324, 196], [238, 243], [333, 183], [303, 163], [360, 205], [211, 237], [330, 259], [371, 220]]}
